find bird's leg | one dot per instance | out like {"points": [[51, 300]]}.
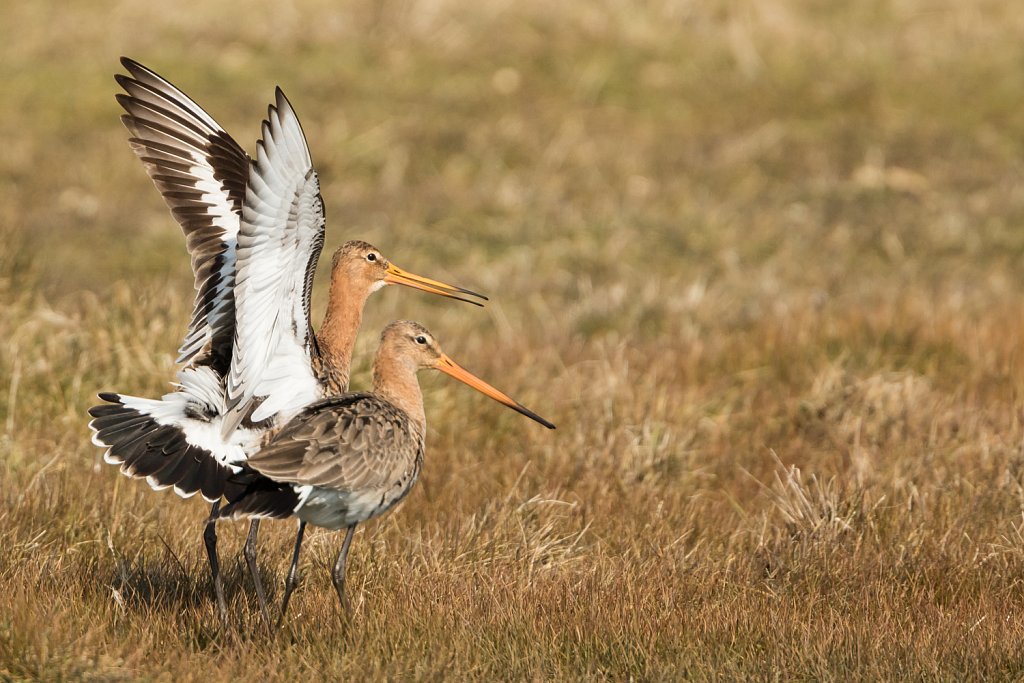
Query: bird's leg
{"points": [[293, 573], [338, 575], [210, 540], [250, 559]]}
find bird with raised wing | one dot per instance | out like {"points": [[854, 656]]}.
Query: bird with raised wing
{"points": [[254, 230], [349, 458]]}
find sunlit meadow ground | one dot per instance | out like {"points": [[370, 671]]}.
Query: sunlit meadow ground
{"points": [[760, 261]]}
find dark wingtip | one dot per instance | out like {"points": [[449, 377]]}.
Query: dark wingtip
{"points": [[133, 67], [110, 398]]}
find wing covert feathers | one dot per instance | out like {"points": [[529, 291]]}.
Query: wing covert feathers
{"points": [[353, 442]]}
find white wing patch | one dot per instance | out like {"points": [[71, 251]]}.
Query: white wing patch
{"points": [[279, 243]]}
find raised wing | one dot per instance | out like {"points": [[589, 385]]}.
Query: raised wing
{"points": [[355, 442], [279, 243], [201, 173]]}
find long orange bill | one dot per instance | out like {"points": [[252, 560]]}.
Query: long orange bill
{"points": [[397, 276], [450, 367]]}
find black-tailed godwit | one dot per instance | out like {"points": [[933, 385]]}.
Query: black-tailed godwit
{"points": [[254, 230], [349, 458]]}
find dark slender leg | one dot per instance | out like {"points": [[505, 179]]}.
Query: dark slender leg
{"points": [[293, 573], [250, 559], [339, 569], [210, 540]]}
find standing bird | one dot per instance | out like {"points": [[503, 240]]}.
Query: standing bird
{"points": [[254, 230], [349, 458]]}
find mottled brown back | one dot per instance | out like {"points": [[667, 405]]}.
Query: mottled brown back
{"points": [[353, 442]]}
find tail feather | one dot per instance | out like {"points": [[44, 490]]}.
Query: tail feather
{"points": [[192, 478], [104, 410], [110, 425], [167, 442], [260, 498], [175, 442], [144, 466], [134, 445], [170, 469], [209, 469], [149, 439]]}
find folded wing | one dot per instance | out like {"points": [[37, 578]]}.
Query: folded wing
{"points": [[346, 443]]}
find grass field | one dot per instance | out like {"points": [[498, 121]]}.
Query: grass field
{"points": [[760, 261]]}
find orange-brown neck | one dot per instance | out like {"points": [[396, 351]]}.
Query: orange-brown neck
{"points": [[337, 336], [394, 379]]}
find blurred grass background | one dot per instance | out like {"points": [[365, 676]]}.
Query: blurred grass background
{"points": [[760, 261]]}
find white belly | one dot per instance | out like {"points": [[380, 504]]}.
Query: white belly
{"points": [[336, 510]]}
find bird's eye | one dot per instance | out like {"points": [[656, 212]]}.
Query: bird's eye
{"points": [[371, 257], [421, 339]]}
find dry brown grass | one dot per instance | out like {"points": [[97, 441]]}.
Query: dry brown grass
{"points": [[760, 261]]}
